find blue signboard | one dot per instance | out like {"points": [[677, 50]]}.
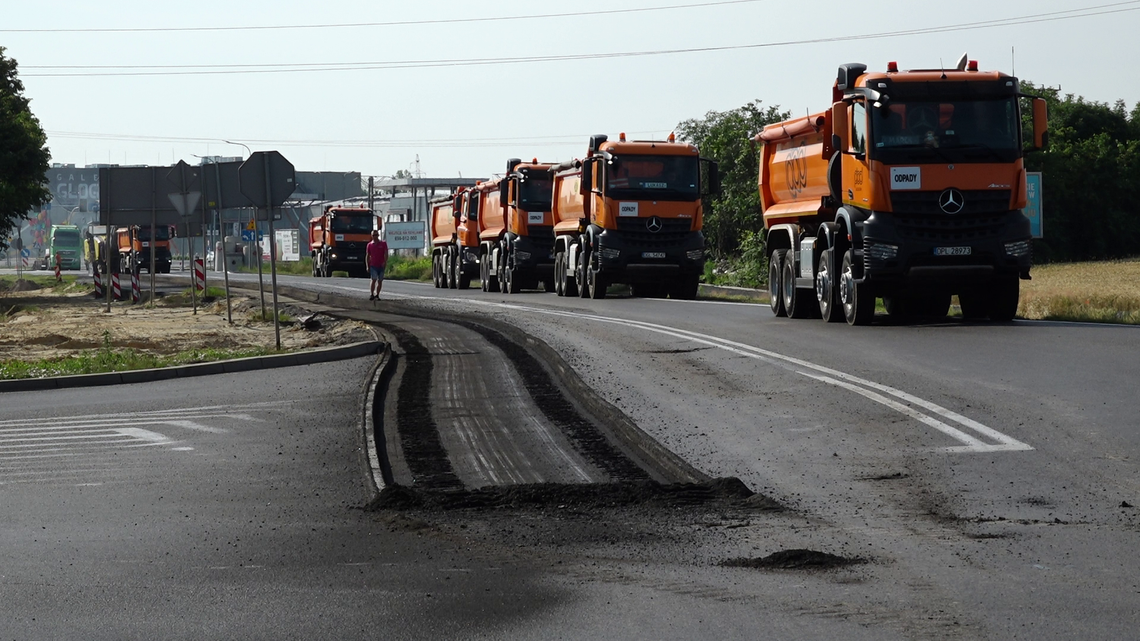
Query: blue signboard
{"points": [[248, 234], [1032, 209]]}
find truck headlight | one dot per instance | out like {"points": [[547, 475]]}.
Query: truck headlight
{"points": [[522, 255], [1018, 249], [695, 254], [333, 256], [609, 253]]}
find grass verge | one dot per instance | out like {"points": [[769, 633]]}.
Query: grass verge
{"points": [[113, 359]]}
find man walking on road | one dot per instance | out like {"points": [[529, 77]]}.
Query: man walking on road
{"points": [[377, 258]]}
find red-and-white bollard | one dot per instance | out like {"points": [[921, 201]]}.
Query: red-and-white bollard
{"points": [[98, 283], [116, 288], [200, 275], [136, 289]]}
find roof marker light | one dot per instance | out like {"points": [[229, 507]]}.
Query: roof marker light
{"points": [[672, 136], [892, 67], [621, 138], [972, 66]]}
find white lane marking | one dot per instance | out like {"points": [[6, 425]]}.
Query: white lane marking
{"points": [[1005, 443]]}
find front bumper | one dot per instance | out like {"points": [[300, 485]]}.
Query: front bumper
{"points": [[950, 250], [624, 259]]}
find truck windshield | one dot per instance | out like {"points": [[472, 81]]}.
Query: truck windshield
{"points": [[350, 224], [958, 131], [160, 233], [535, 189], [654, 177], [67, 237]]}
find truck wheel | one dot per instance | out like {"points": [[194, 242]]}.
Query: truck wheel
{"points": [[569, 282], [464, 280], [558, 277], [858, 302], [796, 304], [598, 284], [775, 290], [826, 293], [453, 270], [580, 274], [1004, 299]]}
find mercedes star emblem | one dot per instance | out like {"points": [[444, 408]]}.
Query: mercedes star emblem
{"points": [[653, 224], [951, 201]]}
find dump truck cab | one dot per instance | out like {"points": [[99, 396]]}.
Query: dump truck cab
{"points": [[910, 188], [517, 243], [641, 218]]}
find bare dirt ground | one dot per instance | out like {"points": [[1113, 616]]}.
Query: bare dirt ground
{"points": [[39, 323]]}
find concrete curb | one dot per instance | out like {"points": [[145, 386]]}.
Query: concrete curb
{"points": [[308, 357], [723, 290]]}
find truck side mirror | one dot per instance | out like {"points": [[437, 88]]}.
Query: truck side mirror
{"points": [[504, 188], [714, 179], [839, 126], [587, 176]]}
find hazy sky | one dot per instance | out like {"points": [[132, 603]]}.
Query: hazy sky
{"points": [[341, 114]]}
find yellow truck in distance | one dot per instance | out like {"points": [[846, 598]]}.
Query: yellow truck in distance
{"points": [[909, 188], [631, 212]]}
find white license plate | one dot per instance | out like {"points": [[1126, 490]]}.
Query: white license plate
{"points": [[953, 251], [653, 254]]}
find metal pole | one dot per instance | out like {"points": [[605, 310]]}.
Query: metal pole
{"points": [[153, 226], [260, 271], [272, 251], [107, 249], [225, 260]]}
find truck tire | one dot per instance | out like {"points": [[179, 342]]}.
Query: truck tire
{"points": [[581, 274], [435, 270], [826, 293], [775, 278], [598, 284], [796, 304], [569, 282], [559, 279], [858, 301], [1004, 299], [464, 279]]}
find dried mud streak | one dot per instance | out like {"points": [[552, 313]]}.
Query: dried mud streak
{"points": [[419, 436], [584, 436]]}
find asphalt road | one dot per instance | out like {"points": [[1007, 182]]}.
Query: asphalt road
{"points": [[986, 470], [976, 473]]}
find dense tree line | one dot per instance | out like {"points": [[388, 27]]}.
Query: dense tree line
{"points": [[1091, 174], [24, 156], [1090, 178]]}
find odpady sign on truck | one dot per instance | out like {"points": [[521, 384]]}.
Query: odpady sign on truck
{"points": [[910, 188]]}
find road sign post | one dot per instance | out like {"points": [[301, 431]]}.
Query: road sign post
{"points": [[267, 179]]}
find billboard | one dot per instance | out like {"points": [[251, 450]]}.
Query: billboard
{"points": [[405, 235], [1032, 209]]}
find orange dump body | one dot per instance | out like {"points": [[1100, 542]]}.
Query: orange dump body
{"points": [[490, 223], [568, 205], [793, 169], [442, 221]]}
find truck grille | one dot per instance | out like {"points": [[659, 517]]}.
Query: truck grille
{"points": [[979, 201], [951, 229], [673, 230], [539, 232]]}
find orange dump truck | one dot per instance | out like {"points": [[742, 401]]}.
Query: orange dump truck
{"points": [[135, 248], [338, 239], [631, 212], [910, 188], [444, 214], [517, 239]]}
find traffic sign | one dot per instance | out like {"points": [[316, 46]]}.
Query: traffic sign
{"points": [[248, 234], [251, 225], [267, 179]]}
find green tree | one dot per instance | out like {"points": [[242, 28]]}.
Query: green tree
{"points": [[1091, 172], [725, 136], [24, 156]]}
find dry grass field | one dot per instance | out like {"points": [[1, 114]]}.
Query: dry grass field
{"points": [[1105, 292]]}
